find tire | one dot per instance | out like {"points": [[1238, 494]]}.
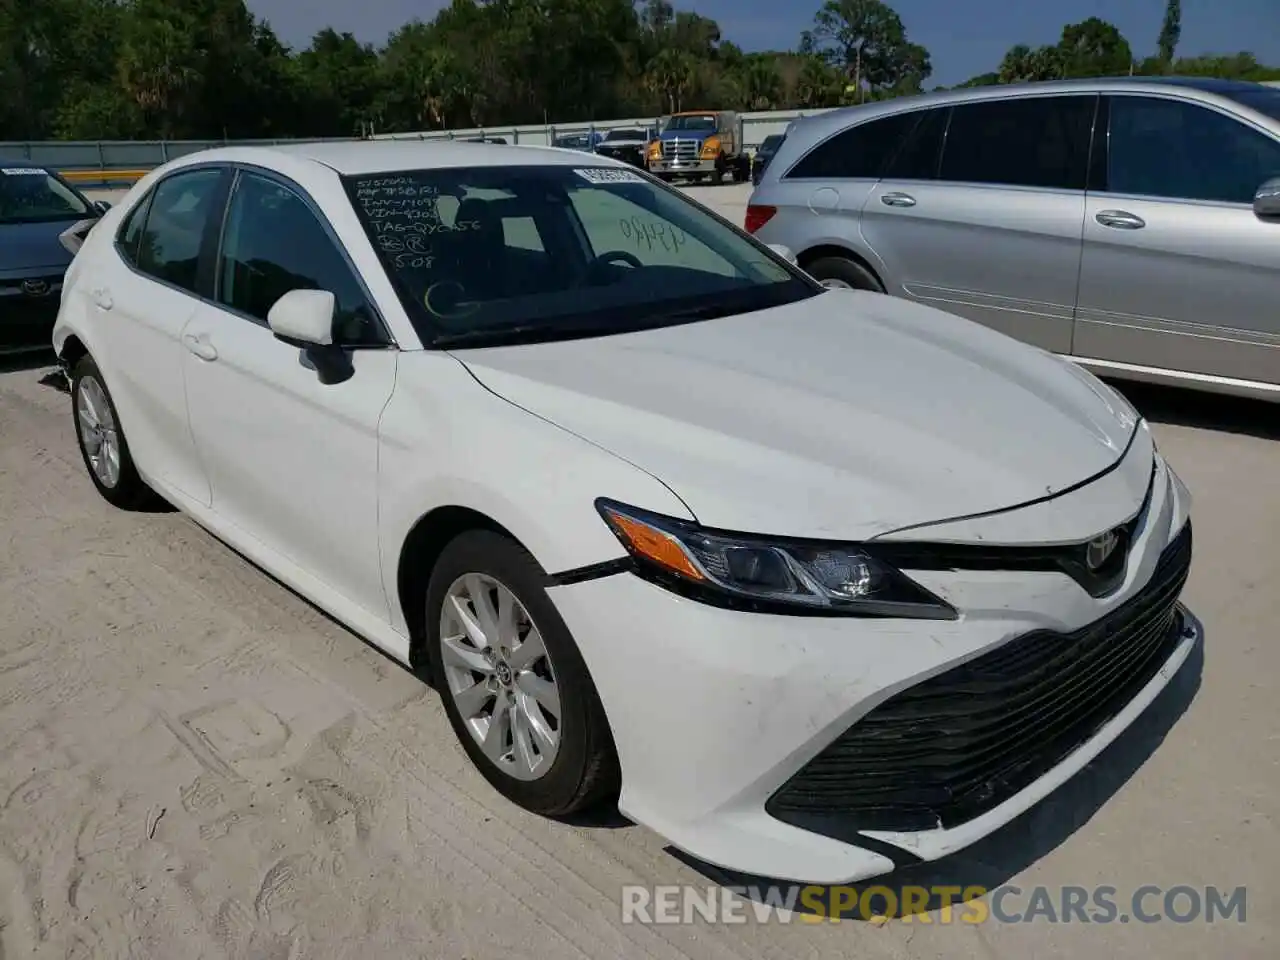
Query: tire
{"points": [[91, 406], [582, 769], [842, 272]]}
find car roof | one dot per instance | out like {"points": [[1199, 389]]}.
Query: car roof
{"points": [[356, 157], [1207, 89]]}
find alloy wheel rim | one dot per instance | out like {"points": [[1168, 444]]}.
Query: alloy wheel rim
{"points": [[500, 676], [99, 435]]}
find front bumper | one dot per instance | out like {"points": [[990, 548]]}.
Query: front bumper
{"points": [[682, 167], [714, 711]]}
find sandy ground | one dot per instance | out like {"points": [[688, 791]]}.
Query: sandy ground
{"points": [[194, 763]]}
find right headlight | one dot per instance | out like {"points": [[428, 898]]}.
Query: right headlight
{"points": [[768, 574]]}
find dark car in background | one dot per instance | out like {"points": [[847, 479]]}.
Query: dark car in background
{"points": [[43, 221], [764, 154], [627, 144], [580, 141]]}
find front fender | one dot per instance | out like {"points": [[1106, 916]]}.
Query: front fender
{"points": [[446, 440]]}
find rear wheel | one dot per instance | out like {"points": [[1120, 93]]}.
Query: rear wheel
{"points": [[514, 685], [103, 446], [843, 274]]}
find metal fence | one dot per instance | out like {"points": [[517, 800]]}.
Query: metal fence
{"points": [[113, 163]]}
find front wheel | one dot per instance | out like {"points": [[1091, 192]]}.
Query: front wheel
{"points": [[515, 687], [103, 446]]}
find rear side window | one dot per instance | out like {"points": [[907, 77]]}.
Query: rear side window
{"points": [[130, 235], [1028, 142], [860, 152], [179, 212]]}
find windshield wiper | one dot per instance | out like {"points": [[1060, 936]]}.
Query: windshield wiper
{"points": [[522, 333]]}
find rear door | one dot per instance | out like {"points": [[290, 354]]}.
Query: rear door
{"points": [[981, 213], [143, 299], [1178, 272]]}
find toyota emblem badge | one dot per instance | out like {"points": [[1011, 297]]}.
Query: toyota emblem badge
{"points": [[35, 288], [1100, 549]]}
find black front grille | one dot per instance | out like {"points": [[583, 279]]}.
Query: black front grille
{"points": [[27, 320], [958, 744]]}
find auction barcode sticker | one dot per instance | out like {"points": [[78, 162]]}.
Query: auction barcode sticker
{"points": [[608, 175]]}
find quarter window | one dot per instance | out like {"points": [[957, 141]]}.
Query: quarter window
{"points": [[1026, 142], [1176, 150], [273, 243], [860, 152], [130, 235], [169, 248]]}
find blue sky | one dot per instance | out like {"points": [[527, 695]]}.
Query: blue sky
{"points": [[966, 37]]}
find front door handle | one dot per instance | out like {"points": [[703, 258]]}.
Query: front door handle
{"points": [[102, 298], [201, 347], [1120, 219], [898, 200]]}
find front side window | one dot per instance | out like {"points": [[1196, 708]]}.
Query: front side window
{"points": [[543, 252], [169, 248], [33, 195], [273, 243], [860, 152], [1183, 151], [1026, 142]]}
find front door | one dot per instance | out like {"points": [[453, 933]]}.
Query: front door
{"points": [[1178, 273], [292, 460], [989, 230]]}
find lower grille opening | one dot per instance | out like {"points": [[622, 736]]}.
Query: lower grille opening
{"points": [[958, 744]]}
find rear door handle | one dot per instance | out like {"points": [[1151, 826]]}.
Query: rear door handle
{"points": [[898, 200], [201, 347], [1120, 219], [101, 298]]}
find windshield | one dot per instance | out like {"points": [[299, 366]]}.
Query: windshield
{"points": [[626, 135], [505, 254], [1264, 101], [33, 195], [701, 122]]}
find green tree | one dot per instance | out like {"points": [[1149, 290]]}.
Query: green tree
{"points": [[1170, 32], [867, 41], [1094, 48]]}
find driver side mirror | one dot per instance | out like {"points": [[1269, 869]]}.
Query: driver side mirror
{"points": [[100, 207], [303, 318], [1266, 202]]}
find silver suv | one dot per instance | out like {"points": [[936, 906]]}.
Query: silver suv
{"points": [[1132, 224]]}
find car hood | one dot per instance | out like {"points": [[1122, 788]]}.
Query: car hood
{"points": [[844, 416], [25, 247]]}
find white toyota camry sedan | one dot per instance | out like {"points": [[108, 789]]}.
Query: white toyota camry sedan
{"points": [[813, 582]]}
